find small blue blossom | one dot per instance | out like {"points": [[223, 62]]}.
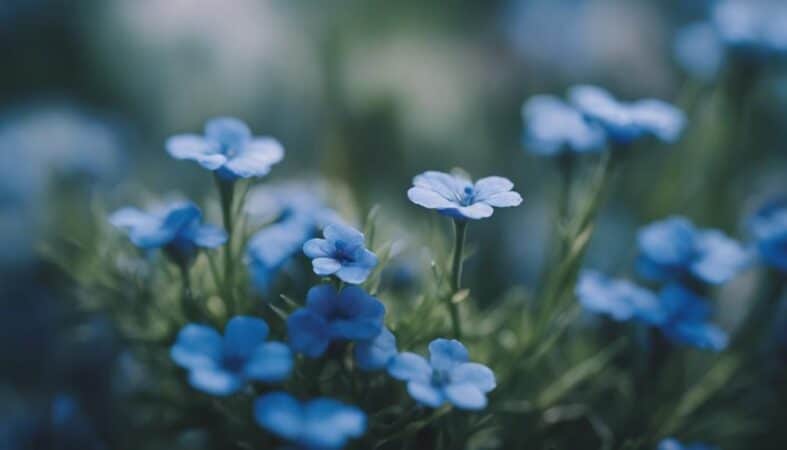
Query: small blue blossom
{"points": [[448, 376], [624, 122], [348, 315], [319, 424], [176, 228], [699, 50], [621, 300], [673, 249], [228, 148], [458, 197], [375, 354], [752, 30], [341, 253], [223, 365], [687, 318], [673, 444], [552, 127], [769, 228]]}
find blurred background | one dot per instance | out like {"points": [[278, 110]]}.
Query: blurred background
{"points": [[365, 94]]}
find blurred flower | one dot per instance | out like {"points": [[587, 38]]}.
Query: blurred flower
{"points": [[624, 122], [699, 51], [687, 319], [673, 444], [322, 423], [351, 315], [341, 253], [553, 127], [375, 354], [222, 366], [621, 300], [769, 228], [456, 196], [448, 376], [228, 148], [673, 249], [177, 229], [752, 28]]}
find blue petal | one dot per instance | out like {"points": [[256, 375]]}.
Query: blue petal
{"points": [[475, 211], [215, 381], [701, 335], [361, 315], [553, 126], [376, 353], [446, 185], [242, 336], [308, 333], [489, 186], [669, 444], [596, 294], [352, 273], [426, 394], [699, 51], [681, 304], [475, 374], [230, 133], [197, 346], [410, 367], [325, 266], [271, 361], [429, 199], [668, 242], [196, 148], [318, 248], [504, 200], [348, 235], [322, 299], [465, 396], [329, 423], [209, 236], [256, 158], [281, 414], [130, 218], [720, 257], [445, 354], [660, 119]]}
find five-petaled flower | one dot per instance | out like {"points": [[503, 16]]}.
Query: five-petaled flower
{"points": [[228, 148], [341, 253], [318, 424], [223, 365], [177, 228], [624, 122], [619, 299], [769, 228], [674, 249], [448, 376], [552, 128], [348, 315], [458, 197]]}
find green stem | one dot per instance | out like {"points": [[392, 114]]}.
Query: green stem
{"points": [[226, 196], [188, 304], [460, 231]]}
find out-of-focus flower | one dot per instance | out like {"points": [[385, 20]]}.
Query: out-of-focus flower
{"points": [[751, 28], [228, 148], [674, 444], [375, 354], [621, 300], [552, 127], [223, 365], [178, 229], [625, 123], [349, 315], [341, 253], [699, 51], [458, 197], [687, 318], [769, 228], [448, 376], [322, 423], [673, 249]]}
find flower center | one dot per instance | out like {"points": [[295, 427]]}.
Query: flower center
{"points": [[233, 363], [343, 252], [469, 196], [440, 378]]}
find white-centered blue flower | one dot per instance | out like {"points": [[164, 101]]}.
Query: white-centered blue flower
{"points": [[228, 148], [458, 197], [341, 253]]}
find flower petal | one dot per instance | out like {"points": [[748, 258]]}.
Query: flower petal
{"points": [[330, 423], [317, 248], [322, 299], [720, 257], [130, 218], [504, 200], [325, 266], [429, 199], [410, 367], [353, 273], [486, 187], [445, 354], [209, 236], [271, 361], [197, 346], [376, 353], [242, 336], [465, 396], [256, 158], [281, 414], [229, 132], [476, 374], [426, 394], [308, 333], [196, 148], [476, 211], [446, 185], [215, 381], [348, 235]]}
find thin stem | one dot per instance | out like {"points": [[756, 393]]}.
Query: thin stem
{"points": [[460, 231], [226, 197], [188, 304]]}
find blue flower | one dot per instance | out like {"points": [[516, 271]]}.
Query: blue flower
{"points": [[673, 444], [769, 228], [223, 365], [553, 127], [341, 253], [228, 148], [687, 318], [319, 424], [752, 30], [176, 228], [448, 376], [458, 197], [621, 300], [673, 249], [625, 123], [699, 51], [375, 354], [348, 315]]}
